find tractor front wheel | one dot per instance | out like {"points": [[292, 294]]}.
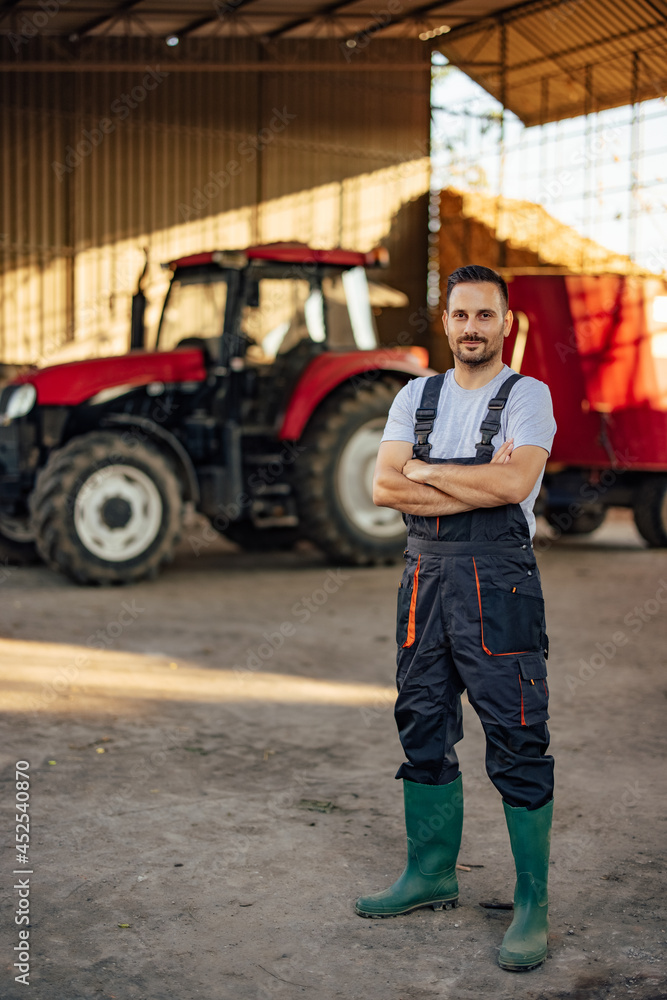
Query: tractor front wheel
{"points": [[650, 511], [334, 478], [106, 509]]}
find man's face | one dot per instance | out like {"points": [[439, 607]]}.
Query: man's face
{"points": [[475, 325]]}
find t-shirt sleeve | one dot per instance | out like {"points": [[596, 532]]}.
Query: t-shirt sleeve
{"points": [[530, 418], [400, 424]]}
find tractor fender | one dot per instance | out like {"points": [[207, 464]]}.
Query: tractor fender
{"points": [[144, 429], [328, 371]]}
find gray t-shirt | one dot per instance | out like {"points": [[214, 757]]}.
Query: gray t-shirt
{"points": [[528, 418]]}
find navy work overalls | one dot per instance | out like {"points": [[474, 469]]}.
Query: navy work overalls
{"points": [[471, 617]]}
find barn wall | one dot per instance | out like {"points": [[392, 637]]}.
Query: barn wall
{"points": [[97, 165]]}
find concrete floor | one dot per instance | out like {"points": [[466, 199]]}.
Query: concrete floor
{"points": [[201, 745]]}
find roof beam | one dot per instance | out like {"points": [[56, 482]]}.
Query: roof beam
{"points": [[538, 78], [80, 66], [509, 14], [631, 33], [660, 11], [376, 26], [370, 29], [220, 15], [8, 7], [545, 52], [95, 22], [323, 12]]}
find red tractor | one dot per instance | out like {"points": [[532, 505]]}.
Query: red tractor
{"points": [[261, 407]]}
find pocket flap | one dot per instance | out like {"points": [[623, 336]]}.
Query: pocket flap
{"points": [[533, 666]]}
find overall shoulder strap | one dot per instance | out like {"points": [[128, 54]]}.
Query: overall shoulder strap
{"points": [[491, 423], [425, 415]]}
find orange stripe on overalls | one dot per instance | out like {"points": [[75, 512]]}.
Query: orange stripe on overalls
{"points": [[413, 606]]}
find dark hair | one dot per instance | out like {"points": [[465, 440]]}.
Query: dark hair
{"points": [[474, 273]]}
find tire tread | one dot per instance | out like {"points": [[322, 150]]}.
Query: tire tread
{"points": [[322, 438], [51, 516]]}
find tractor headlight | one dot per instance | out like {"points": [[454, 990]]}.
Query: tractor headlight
{"points": [[21, 401]]}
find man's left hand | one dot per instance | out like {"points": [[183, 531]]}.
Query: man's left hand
{"points": [[416, 470]]}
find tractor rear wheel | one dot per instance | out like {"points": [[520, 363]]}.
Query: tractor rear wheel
{"points": [[107, 510], [333, 478], [650, 511]]}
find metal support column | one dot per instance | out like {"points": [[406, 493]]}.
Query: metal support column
{"points": [[502, 249], [588, 186], [634, 161]]}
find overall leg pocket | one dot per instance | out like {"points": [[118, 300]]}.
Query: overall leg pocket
{"points": [[533, 690]]}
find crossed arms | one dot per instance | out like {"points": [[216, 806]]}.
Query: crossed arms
{"points": [[415, 487]]}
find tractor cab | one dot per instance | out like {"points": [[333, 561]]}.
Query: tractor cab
{"points": [[262, 303], [262, 315]]}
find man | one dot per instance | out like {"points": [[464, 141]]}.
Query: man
{"points": [[470, 607]]}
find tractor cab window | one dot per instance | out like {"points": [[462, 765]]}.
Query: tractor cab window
{"points": [[350, 321], [281, 312], [195, 307]]}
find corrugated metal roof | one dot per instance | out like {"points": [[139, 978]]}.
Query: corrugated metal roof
{"points": [[544, 59], [552, 59]]}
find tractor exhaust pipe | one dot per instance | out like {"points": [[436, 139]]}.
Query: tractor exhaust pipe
{"points": [[137, 329]]}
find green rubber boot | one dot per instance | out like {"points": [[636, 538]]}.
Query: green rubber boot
{"points": [[433, 821], [525, 943]]}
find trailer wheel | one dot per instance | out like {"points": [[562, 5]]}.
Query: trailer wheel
{"points": [[584, 523], [107, 510], [650, 511], [333, 478], [17, 542]]}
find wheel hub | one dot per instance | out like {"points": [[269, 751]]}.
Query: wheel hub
{"points": [[118, 513]]}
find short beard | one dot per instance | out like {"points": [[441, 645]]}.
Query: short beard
{"points": [[475, 361]]}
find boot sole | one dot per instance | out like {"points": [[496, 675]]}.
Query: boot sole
{"points": [[440, 904], [511, 967]]}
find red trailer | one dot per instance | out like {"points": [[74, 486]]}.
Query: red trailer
{"points": [[600, 344]]}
